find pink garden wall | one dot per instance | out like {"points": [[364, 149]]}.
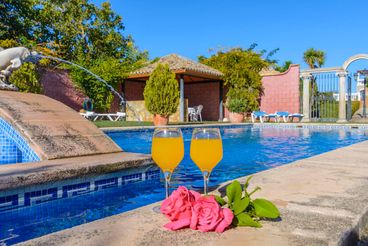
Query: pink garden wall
{"points": [[281, 91], [58, 85]]}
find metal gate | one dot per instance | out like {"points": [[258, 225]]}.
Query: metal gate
{"points": [[325, 97]]}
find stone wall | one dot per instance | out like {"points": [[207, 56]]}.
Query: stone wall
{"points": [[281, 91], [142, 113]]}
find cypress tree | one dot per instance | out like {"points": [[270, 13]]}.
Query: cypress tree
{"points": [[161, 93]]}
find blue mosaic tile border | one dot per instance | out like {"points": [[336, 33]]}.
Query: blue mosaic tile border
{"points": [[312, 126], [32, 196], [183, 128], [249, 125], [16, 148]]}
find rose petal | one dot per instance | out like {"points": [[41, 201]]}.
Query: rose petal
{"points": [[195, 194], [194, 220], [228, 218], [179, 224]]}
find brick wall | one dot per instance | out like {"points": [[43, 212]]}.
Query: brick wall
{"points": [[281, 91], [134, 90], [58, 85], [207, 94]]}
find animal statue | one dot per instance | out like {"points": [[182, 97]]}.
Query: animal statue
{"points": [[10, 60]]}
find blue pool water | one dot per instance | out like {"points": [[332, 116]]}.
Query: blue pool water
{"points": [[247, 150], [38, 210]]}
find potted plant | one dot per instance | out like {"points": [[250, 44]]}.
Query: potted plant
{"points": [[161, 94], [236, 108]]}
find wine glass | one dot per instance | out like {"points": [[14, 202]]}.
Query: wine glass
{"points": [[167, 151], [206, 151]]}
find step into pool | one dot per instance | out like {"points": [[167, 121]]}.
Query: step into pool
{"points": [[38, 210]]}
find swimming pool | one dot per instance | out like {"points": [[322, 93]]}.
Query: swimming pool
{"points": [[38, 210]]}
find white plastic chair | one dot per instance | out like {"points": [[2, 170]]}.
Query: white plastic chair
{"points": [[199, 112]]}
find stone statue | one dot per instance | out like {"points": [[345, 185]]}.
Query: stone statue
{"points": [[10, 60]]}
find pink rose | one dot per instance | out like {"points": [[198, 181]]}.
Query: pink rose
{"points": [[178, 207], [207, 215]]}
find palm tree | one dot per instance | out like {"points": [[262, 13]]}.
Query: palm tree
{"points": [[314, 58]]}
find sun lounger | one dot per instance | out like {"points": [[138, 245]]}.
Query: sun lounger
{"points": [[273, 116], [282, 114], [261, 115], [112, 117], [295, 115], [89, 115], [96, 116]]}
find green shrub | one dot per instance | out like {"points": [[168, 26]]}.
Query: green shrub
{"points": [[161, 93], [241, 70], [236, 105], [26, 78], [109, 69], [8, 43], [241, 101], [355, 105]]}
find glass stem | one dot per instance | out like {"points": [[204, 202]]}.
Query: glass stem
{"points": [[167, 182], [206, 176]]}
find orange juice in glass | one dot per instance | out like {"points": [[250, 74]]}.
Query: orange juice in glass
{"points": [[167, 151], [206, 150]]}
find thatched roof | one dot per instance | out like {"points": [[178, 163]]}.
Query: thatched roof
{"points": [[179, 65]]}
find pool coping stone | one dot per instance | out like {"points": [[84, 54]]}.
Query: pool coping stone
{"points": [[25, 174]]}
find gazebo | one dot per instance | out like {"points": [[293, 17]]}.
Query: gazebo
{"points": [[199, 85]]}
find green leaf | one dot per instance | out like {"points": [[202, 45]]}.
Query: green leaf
{"points": [[220, 200], [254, 191], [246, 184], [244, 219], [233, 192], [265, 209], [240, 206]]}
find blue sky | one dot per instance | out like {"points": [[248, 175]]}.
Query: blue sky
{"points": [[192, 27]]}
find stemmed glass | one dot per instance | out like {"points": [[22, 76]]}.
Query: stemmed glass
{"points": [[206, 151], [167, 151]]}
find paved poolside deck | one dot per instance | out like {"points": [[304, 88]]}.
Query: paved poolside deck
{"points": [[323, 201]]}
